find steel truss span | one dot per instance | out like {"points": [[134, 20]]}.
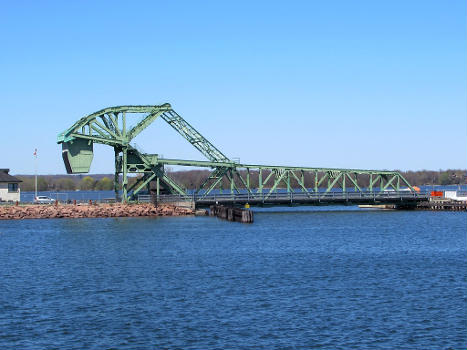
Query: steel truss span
{"points": [[404, 199], [258, 182]]}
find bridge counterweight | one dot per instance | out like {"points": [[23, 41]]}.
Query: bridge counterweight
{"points": [[109, 127]]}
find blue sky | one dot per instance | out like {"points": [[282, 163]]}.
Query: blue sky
{"points": [[358, 84]]}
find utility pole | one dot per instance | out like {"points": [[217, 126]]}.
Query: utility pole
{"points": [[35, 173]]}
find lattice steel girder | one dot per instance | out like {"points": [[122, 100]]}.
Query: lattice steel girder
{"points": [[109, 126], [335, 177], [147, 164], [171, 183], [111, 115], [215, 177], [193, 136], [207, 164], [141, 183], [278, 175]]}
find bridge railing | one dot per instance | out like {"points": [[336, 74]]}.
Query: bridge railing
{"points": [[297, 196]]}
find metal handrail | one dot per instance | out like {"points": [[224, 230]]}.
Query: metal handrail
{"points": [[296, 195]]}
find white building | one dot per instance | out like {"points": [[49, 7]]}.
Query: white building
{"points": [[454, 195], [9, 187]]}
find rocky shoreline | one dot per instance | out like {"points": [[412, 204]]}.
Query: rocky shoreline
{"points": [[18, 212]]}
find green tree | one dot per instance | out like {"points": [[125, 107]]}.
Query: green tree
{"points": [[42, 184], [65, 184], [28, 183], [87, 183], [444, 179], [104, 184]]}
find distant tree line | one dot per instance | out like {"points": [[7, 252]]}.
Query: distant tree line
{"points": [[441, 177], [194, 178], [65, 183]]}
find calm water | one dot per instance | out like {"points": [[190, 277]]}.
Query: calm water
{"points": [[295, 279]]}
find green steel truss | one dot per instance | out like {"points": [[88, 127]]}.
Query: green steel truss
{"points": [[109, 127], [267, 179]]}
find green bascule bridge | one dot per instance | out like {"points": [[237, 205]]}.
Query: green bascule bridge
{"points": [[247, 183]]}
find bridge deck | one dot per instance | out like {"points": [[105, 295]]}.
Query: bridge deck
{"points": [[296, 198]]}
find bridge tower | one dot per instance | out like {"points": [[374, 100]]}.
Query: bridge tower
{"points": [[109, 127]]}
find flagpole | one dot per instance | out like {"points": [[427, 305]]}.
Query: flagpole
{"points": [[35, 173]]}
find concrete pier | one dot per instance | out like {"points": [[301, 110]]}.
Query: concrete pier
{"points": [[231, 214]]}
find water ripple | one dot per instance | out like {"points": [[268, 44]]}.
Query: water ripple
{"points": [[325, 279]]}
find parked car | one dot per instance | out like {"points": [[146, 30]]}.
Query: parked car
{"points": [[43, 200]]}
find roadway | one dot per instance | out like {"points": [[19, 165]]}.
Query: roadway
{"points": [[401, 198]]}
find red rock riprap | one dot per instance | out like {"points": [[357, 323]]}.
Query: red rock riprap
{"points": [[12, 212]]}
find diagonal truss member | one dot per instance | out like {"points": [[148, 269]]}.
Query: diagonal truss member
{"points": [[109, 127]]}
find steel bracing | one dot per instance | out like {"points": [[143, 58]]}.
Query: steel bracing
{"points": [[109, 127]]}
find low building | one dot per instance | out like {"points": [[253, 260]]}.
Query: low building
{"points": [[9, 187]]}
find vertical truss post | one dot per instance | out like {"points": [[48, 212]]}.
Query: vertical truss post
{"points": [[124, 162], [232, 184], [125, 173], [316, 181], [158, 188], [109, 127], [116, 177], [124, 124], [260, 181], [302, 177]]}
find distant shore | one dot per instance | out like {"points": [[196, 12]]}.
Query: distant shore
{"points": [[194, 178]]}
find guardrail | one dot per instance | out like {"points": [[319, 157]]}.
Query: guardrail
{"points": [[299, 197], [144, 198]]}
